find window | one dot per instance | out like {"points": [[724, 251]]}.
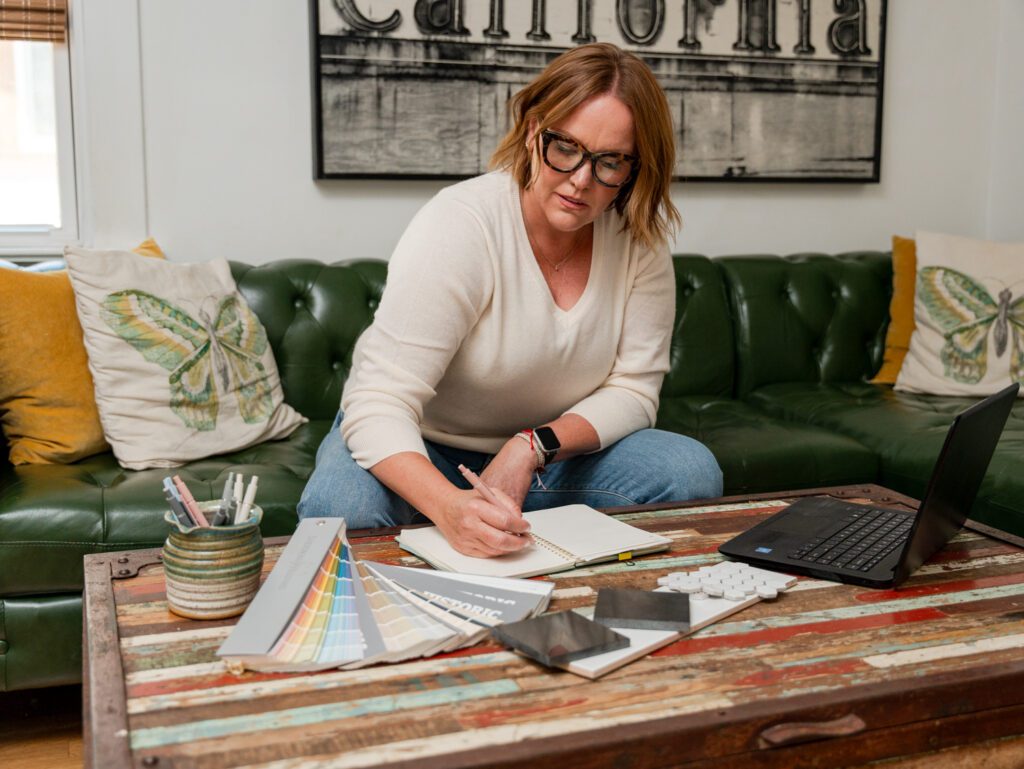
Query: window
{"points": [[38, 204]]}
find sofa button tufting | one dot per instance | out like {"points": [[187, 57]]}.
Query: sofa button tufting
{"points": [[299, 303], [3, 647], [336, 366], [372, 303]]}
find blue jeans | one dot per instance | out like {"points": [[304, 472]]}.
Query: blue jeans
{"points": [[645, 467]]}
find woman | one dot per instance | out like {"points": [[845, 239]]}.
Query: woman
{"points": [[524, 330]]}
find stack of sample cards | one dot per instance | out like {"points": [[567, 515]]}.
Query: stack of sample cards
{"points": [[705, 590], [322, 608]]}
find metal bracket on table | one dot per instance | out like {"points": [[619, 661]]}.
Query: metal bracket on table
{"points": [[127, 564], [856, 492]]}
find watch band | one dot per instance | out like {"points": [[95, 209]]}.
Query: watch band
{"points": [[548, 442]]}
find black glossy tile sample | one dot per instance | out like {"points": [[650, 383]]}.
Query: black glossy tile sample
{"points": [[555, 639]]}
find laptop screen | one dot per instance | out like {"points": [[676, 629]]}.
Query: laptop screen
{"points": [[957, 476]]}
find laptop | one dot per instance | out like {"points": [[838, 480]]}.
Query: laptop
{"points": [[842, 541]]}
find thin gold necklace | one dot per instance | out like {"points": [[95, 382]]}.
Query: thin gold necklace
{"points": [[556, 266]]}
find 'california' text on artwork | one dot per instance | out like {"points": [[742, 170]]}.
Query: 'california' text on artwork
{"points": [[641, 22]]}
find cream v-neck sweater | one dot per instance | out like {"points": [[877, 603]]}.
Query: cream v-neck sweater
{"points": [[468, 346]]}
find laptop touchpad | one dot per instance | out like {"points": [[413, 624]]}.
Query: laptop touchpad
{"points": [[808, 517]]}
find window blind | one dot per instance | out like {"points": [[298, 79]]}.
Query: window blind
{"points": [[34, 20]]}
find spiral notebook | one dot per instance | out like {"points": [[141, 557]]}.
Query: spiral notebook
{"points": [[563, 538]]}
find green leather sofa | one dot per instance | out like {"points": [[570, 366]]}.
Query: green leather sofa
{"points": [[770, 359]]}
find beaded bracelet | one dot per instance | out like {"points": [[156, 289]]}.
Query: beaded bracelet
{"points": [[527, 435]]}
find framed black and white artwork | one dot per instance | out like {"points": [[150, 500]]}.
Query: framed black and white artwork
{"points": [[760, 90]]}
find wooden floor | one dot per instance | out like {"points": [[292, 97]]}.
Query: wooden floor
{"points": [[41, 728]]}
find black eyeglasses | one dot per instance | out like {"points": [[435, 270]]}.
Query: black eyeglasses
{"points": [[565, 155]]}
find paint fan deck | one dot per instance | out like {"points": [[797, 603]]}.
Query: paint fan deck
{"points": [[828, 675], [322, 608]]}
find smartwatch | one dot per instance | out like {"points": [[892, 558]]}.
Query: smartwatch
{"points": [[548, 442]]}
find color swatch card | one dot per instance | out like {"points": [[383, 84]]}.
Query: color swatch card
{"points": [[468, 633], [322, 608], [407, 631], [283, 595], [479, 599], [324, 632]]}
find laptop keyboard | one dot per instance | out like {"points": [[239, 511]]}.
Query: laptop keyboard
{"points": [[864, 538]]}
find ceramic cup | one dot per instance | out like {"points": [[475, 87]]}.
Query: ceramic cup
{"points": [[212, 572]]}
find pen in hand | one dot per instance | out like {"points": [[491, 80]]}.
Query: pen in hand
{"points": [[485, 491]]}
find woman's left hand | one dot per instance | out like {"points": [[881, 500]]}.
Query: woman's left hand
{"points": [[511, 470]]}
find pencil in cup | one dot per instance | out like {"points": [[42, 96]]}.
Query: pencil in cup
{"points": [[189, 502], [210, 509]]}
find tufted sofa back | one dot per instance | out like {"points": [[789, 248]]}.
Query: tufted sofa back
{"points": [[808, 317], [313, 313], [702, 359], [741, 322]]}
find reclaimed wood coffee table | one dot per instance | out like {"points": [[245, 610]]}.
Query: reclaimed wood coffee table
{"points": [[828, 675]]}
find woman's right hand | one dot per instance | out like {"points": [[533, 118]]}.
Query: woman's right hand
{"points": [[474, 526], [471, 524]]}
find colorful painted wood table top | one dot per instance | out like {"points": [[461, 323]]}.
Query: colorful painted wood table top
{"points": [[827, 675]]}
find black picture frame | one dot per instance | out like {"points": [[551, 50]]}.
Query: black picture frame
{"points": [[795, 99]]}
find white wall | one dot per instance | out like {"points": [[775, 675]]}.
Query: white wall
{"points": [[1006, 191], [107, 108], [227, 144]]}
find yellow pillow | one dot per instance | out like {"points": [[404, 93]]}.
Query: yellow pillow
{"points": [[47, 406], [901, 309], [148, 247]]}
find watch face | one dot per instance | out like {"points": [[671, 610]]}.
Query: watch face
{"points": [[548, 440]]}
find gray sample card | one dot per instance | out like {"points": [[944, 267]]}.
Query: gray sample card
{"points": [[281, 594], [642, 609]]}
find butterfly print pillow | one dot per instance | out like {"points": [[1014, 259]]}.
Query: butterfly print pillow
{"points": [[969, 315], [208, 359], [181, 365]]}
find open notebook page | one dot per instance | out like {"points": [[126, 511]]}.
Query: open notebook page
{"points": [[582, 532], [589, 534], [430, 545]]}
